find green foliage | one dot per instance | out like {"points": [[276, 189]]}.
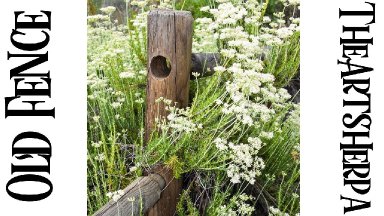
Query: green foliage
{"points": [[175, 165], [194, 6], [282, 169], [185, 206], [283, 61], [115, 110]]}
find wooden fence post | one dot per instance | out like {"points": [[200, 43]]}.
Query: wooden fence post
{"points": [[169, 64]]}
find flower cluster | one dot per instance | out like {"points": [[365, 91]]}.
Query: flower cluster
{"points": [[108, 10], [250, 90], [244, 35], [100, 157], [238, 206], [277, 212], [96, 144], [115, 195], [166, 4], [245, 164], [204, 41], [109, 70], [95, 19], [178, 120], [140, 20], [139, 3]]}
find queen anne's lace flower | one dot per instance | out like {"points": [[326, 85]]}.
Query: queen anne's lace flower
{"points": [[100, 157], [244, 161], [96, 144], [238, 206], [276, 212], [108, 10], [127, 74], [140, 3], [178, 120], [115, 195]]}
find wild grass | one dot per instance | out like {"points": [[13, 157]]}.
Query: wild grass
{"points": [[283, 61]]}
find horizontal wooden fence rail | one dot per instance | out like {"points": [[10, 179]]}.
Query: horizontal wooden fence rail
{"points": [[138, 197], [204, 63]]}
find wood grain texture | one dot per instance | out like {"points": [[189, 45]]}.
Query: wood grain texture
{"points": [[138, 197], [169, 36], [166, 205]]}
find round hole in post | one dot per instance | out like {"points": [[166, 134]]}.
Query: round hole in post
{"points": [[160, 66]]}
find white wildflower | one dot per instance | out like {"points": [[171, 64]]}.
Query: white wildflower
{"points": [[266, 135], [195, 74], [115, 195], [266, 19], [100, 157], [239, 206], [205, 9], [143, 72], [158, 100], [229, 53], [294, 2], [97, 18], [132, 169], [121, 99], [127, 74], [116, 105], [131, 199], [140, 3], [96, 118], [221, 144], [108, 10], [96, 144], [219, 69], [119, 51], [295, 195], [218, 101], [139, 100], [276, 212], [284, 32], [244, 161]]}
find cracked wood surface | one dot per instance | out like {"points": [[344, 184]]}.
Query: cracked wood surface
{"points": [[169, 68]]}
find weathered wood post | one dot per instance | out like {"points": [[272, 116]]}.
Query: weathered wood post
{"points": [[169, 63]]}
